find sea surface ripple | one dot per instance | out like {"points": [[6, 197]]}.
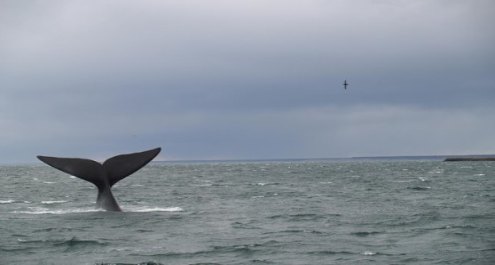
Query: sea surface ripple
{"points": [[265, 212]]}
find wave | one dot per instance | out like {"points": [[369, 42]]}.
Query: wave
{"points": [[142, 263], [238, 249], [75, 242], [70, 244], [330, 252], [13, 201], [365, 233], [300, 217], [418, 188]]}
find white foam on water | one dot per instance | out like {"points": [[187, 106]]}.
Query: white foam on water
{"points": [[402, 181], [265, 183], [41, 210], [326, 182], [52, 202], [6, 201], [153, 209], [49, 182], [369, 253], [437, 171]]}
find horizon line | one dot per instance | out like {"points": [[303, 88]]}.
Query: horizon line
{"points": [[384, 157]]}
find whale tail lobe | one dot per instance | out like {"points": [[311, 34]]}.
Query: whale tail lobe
{"points": [[104, 175]]}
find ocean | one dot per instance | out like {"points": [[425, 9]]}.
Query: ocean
{"points": [[255, 212]]}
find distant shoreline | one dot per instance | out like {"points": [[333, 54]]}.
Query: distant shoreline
{"points": [[462, 159], [350, 159]]}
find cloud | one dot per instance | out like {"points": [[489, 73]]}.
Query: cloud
{"points": [[246, 79], [310, 132]]}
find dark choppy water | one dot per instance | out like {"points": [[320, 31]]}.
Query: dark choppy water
{"points": [[311, 212]]}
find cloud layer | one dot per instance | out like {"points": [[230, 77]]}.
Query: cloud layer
{"points": [[246, 79]]}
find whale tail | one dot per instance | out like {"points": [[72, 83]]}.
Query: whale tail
{"points": [[104, 175]]}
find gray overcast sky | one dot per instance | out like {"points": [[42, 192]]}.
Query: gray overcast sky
{"points": [[246, 79]]}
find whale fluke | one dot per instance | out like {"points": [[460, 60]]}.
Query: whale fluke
{"points": [[105, 175]]}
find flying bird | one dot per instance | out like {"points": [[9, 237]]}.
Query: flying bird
{"points": [[345, 84]]}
